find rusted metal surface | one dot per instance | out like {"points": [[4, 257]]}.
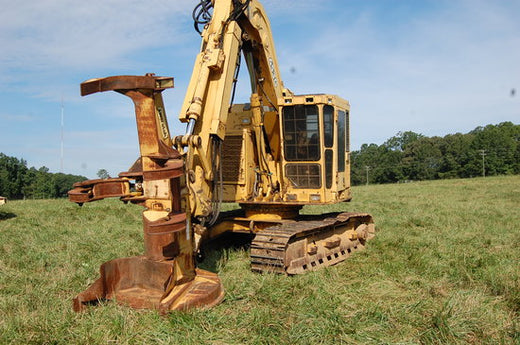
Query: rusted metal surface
{"points": [[126, 82], [309, 244], [161, 237], [165, 278], [92, 190], [142, 283]]}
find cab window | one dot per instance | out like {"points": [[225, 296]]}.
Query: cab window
{"points": [[342, 145], [301, 133]]}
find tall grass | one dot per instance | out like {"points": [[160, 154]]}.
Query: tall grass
{"points": [[444, 268]]}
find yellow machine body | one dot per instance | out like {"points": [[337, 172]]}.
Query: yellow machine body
{"points": [[306, 163], [272, 156]]}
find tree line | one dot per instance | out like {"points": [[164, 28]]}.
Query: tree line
{"points": [[17, 181], [409, 156]]}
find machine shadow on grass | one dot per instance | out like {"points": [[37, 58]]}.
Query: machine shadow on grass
{"points": [[216, 250], [6, 215]]}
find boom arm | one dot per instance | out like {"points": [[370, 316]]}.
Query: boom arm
{"points": [[236, 26]]}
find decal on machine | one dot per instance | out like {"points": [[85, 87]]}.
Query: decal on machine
{"points": [[163, 124], [273, 72]]}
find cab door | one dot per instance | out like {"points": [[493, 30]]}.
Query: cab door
{"points": [[341, 149], [335, 135]]}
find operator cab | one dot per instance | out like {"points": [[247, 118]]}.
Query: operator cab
{"points": [[308, 149], [316, 147]]}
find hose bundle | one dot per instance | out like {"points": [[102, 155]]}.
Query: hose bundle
{"points": [[203, 12]]}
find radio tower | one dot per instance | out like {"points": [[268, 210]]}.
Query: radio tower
{"points": [[61, 142]]}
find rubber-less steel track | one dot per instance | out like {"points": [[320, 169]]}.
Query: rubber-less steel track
{"points": [[295, 247]]}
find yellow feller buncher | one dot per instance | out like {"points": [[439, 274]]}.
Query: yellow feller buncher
{"points": [[272, 156]]}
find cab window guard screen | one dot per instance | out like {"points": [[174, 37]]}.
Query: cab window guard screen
{"points": [[301, 133]]}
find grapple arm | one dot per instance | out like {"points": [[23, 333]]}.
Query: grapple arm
{"points": [[93, 190]]}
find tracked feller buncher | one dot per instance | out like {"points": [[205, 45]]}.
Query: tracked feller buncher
{"points": [[272, 156]]}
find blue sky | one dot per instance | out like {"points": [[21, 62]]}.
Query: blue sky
{"points": [[433, 67]]}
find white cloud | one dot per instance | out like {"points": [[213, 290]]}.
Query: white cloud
{"points": [[52, 33], [7, 117]]}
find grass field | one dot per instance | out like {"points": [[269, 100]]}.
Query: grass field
{"points": [[444, 268]]}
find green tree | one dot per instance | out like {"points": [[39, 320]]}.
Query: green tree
{"points": [[62, 183], [17, 181], [402, 140], [12, 173], [456, 154], [422, 159], [103, 174], [499, 143]]}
